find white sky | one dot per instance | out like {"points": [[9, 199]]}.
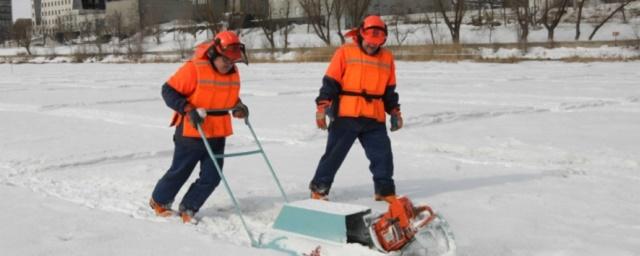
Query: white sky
{"points": [[21, 9]]}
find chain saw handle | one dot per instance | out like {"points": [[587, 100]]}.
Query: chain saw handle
{"points": [[421, 209]]}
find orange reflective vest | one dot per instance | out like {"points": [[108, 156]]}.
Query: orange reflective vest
{"points": [[205, 88], [364, 80]]}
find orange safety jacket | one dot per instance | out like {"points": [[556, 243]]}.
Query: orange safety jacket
{"points": [[204, 87], [363, 79]]}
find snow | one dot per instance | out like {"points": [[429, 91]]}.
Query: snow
{"points": [[534, 158], [541, 53]]}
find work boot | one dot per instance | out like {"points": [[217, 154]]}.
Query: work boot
{"points": [[319, 192], [160, 209], [319, 196], [388, 198], [187, 216]]}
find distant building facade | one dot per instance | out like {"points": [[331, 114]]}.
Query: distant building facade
{"points": [[134, 13], [6, 20], [52, 16], [399, 7]]}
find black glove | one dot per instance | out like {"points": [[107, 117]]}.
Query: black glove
{"points": [[196, 116], [240, 110], [396, 120]]}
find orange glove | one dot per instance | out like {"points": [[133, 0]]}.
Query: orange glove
{"points": [[321, 115], [399, 210], [396, 120]]}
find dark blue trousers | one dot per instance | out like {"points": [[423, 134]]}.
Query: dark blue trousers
{"points": [[188, 152], [377, 146]]}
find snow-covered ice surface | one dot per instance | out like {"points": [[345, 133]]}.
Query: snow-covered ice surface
{"points": [[534, 158]]}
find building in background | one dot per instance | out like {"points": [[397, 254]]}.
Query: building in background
{"points": [[135, 14], [52, 17], [36, 12], [6, 20]]}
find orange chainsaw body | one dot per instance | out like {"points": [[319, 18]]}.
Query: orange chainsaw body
{"points": [[395, 228]]}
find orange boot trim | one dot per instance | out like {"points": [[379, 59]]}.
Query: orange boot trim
{"points": [[160, 210], [318, 196], [388, 199]]}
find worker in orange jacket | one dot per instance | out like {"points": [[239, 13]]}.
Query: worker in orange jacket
{"points": [[358, 90], [210, 80]]}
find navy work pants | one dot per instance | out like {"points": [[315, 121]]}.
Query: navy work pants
{"points": [[188, 152], [377, 146]]}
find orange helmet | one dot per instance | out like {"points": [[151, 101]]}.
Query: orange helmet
{"points": [[228, 45], [373, 30]]}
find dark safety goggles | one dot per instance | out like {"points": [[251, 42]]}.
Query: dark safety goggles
{"points": [[375, 36], [234, 53]]}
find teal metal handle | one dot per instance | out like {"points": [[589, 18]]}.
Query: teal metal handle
{"points": [[260, 150], [254, 243], [266, 159]]}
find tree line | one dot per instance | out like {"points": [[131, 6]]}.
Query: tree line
{"points": [[326, 18]]}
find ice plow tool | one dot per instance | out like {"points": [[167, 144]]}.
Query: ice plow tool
{"points": [[227, 187], [318, 227]]}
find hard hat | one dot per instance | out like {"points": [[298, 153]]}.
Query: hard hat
{"points": [[373, 30], [228, 45]]}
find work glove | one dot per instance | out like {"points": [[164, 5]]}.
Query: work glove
{"points": [[321, 114], [399, 211], [240, 110], [396, 120], [196, 116]]}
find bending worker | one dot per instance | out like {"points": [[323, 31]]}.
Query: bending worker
{"points": [[210, 80]]}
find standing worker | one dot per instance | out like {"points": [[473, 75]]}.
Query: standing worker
{"points": [[210, 80], [357, 89]]}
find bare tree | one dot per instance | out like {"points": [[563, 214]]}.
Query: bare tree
{"points": [[339, 7], [135, 47], [188, 26], [315, 15], [209, 13], [429, 23], [622, 5], [22, 31], [287, 28], [490, 23], [636, 32], [64, 31], [181, 43], [400, 34], [523, 17], [85, 28], [455, 24], [551, 19], [355, 11], [533, 13], [504, 12], [264, 18], [624, 16], [156, 31], [115, 26], [151, 23], [580, 4], [100, 32]]}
